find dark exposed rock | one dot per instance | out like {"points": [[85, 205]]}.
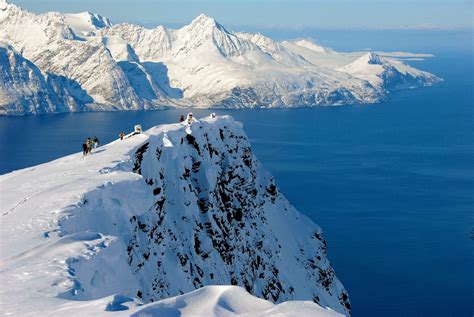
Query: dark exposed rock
{"points": [[192, 141], [139, 157]]}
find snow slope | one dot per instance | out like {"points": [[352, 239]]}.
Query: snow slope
{"points": [[157, 215], [127, 67], [223, 301]]}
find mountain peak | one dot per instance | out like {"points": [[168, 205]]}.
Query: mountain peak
{"points": [[92, 19], [203, 21], [203, 18], [372, 58], [3, 4], [367, 61], [86, 23], [311, 46]]}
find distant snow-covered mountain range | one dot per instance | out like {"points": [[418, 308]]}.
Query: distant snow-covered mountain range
{"points": [[57, 62]]}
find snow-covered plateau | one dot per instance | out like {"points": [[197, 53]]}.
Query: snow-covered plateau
{"points": [[57, 62], [181, 210]]}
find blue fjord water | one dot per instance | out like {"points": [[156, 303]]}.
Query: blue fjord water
{"points": [[392, 184]]}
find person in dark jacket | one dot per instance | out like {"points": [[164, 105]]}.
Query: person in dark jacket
{"points": [[89, 145], [85, 149]]}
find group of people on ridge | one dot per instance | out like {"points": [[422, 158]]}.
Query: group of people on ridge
{"points": [[89, 144], [189, 118], [93, 143]]}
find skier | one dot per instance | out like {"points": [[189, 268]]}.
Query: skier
{"points": [[85, 149], [181, 119], [89, 145], [96, 142], [121, 135]]}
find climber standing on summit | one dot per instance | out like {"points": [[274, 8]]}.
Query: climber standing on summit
{"points": [[190, 119], [95, 141]]}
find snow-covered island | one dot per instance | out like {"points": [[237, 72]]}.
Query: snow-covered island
{"points": [[178, 210], [57, 62]]}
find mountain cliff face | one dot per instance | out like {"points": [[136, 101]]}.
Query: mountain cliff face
{"points": [[68, 45], [25, 89], [126, 67], [161, 214], [216, 217]]}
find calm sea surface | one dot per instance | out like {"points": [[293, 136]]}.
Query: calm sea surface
{"points": [[392, 184]]}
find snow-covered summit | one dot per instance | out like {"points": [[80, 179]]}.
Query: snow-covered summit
{"points": [[3, 4], [205, 36], [203, 22], [387, 74], [203, 64], [371, 58], [311, 46], [156, 215], [86, 22]]}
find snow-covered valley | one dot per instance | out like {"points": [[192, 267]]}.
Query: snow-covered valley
{"points": [[164, 213], [57, 62]]}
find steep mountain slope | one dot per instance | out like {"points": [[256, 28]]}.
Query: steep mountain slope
{"points": [[157, 215], [24, 89], [67, 45], [127, 67]]}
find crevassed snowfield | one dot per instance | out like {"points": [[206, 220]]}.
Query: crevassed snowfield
{"points": [[156, 215], [58, 62]]}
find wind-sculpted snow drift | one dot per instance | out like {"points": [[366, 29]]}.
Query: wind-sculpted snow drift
{"points": [[223, 301], [127, 67], [156, 215]]}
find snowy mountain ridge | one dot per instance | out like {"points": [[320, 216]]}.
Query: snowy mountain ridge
{"points": [[129, 67], [157, 215]]}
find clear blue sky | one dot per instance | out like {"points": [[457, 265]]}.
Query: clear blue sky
{"points": [[378, 14]]}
